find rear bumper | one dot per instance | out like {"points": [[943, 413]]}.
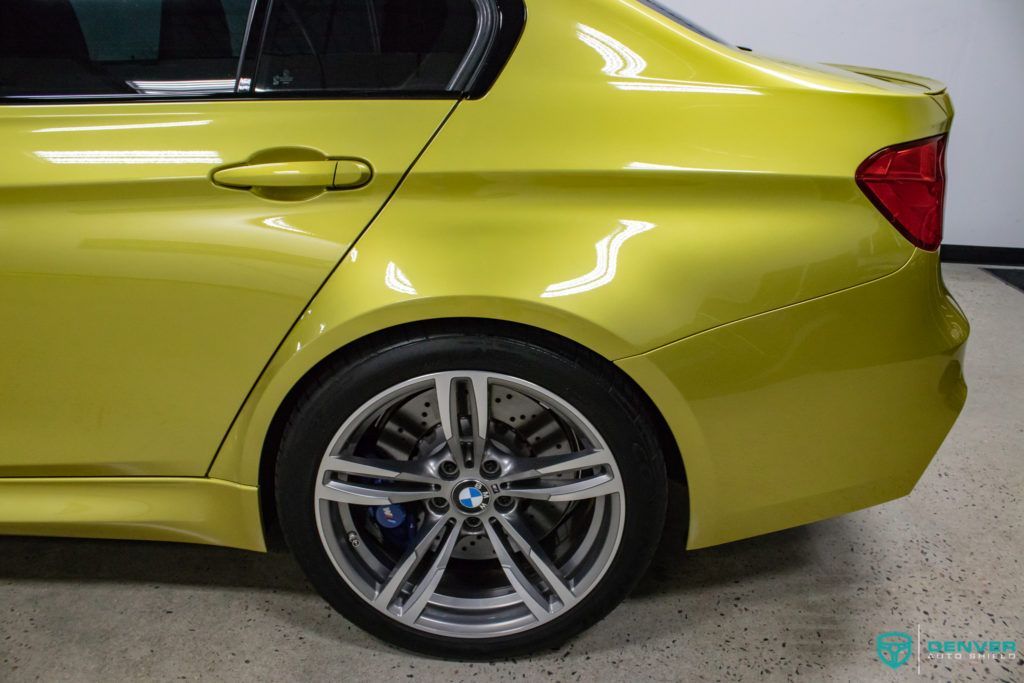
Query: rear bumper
{"points": [[813, 410]]}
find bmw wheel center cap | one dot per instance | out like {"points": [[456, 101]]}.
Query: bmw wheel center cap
{"points": [[471, 497]]}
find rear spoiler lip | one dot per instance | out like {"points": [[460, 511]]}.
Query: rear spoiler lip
{"points": [[930, 85]]}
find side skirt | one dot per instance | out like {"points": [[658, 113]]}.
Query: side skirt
{"points": [[186, 510]]}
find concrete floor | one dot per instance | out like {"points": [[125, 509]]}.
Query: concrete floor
{"points": [[805, 603]]}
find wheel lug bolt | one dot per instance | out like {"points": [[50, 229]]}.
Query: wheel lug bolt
{"points": [[438, 505], [505, 503], [490, 468], [474, 523], [449, 470]]}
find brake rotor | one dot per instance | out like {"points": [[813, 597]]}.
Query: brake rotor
{"points": [[520, 422]]}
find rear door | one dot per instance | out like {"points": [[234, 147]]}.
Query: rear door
{"points": [[178, 179]]}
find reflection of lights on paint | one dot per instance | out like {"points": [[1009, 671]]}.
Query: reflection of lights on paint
{"points": [[125, 126], [279, 223], [624, 62], [159, 156], [644, 166], [661, 85], [354, 255], [746, 61], [395, 279], [619, 60], [607, 262]]}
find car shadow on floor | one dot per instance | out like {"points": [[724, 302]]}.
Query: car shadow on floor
{"points": [[80, 560], [673, 570], [676, 587]]}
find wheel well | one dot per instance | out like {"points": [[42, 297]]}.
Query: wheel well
{"points": [[670, 450]]}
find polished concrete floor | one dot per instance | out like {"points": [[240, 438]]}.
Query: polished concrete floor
{"points": [[805, 603]]}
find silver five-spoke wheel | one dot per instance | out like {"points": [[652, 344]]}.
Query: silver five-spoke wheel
{"points": [[469, 504]]}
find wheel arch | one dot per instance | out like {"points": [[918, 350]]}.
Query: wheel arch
{"points": [[268, 452]]}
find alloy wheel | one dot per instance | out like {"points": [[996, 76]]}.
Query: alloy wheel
{"points": [[469, 504]]}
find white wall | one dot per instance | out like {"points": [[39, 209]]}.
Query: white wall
{"points": [[975, 46]]}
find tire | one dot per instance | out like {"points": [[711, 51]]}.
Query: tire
{"points": [[361, 555]]}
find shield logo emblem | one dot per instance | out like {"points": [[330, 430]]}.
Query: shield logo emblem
{"points": [[894, 648]]}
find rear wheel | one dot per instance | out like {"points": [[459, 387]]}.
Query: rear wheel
{"points": [[471, 495]]}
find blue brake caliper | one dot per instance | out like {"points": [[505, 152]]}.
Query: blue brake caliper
{"points": [[396, 525]]}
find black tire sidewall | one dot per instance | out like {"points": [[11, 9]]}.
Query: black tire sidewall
{"points": [[607, 401]]}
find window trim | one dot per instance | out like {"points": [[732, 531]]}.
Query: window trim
{"points": [[676, 16], [500, 25], [511, 23], [487, 23]]}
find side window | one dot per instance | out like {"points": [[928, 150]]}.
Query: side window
{"points": [[61, 48], [369, 46]]}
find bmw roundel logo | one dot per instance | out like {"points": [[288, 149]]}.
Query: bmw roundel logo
{"points": [[471, 497]]}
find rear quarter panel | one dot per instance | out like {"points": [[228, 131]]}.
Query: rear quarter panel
{"points": [[625, 184]]}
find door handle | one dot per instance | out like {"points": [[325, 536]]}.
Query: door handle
{"points": [[329, 173]]}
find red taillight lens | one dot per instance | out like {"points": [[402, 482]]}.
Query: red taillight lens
{"points": [[908, 185]]}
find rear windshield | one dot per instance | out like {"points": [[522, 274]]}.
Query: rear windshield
{"points": [[666, 9]]}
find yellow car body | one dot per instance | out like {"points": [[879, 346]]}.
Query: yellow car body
{"points": [[684, 209]]}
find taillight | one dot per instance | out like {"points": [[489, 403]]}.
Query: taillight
{"points": [[908, 185]]}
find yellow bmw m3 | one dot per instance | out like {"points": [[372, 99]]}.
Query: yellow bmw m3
{"points": [[450, 289]]}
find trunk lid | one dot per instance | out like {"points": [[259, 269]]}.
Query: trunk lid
{"points": [[922, 84], [862, 79], [928, 86]]}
